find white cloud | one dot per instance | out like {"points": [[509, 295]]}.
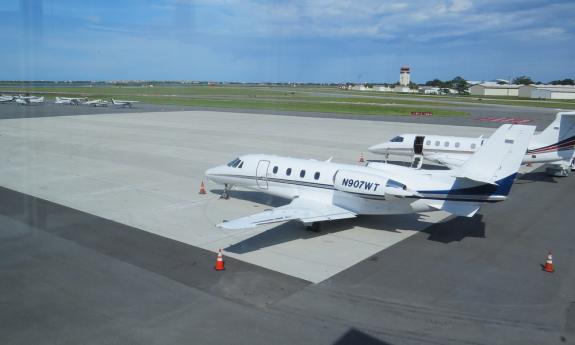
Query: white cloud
{"points": [[460, 5]]}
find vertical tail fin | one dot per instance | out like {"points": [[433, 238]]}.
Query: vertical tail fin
{"points": [[558, 136], [499, 159]]}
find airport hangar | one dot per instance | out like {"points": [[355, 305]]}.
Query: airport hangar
{"points": [[105, 239]]}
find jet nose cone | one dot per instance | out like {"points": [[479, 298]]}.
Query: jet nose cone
{"points": [[215, 174], [210, 173], [379, 148]]}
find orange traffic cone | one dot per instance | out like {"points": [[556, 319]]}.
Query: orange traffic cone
{"points": [[220, 262], [202, 188], [549, 264], [361, 160]]}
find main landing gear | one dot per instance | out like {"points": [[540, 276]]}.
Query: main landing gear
{"points": [[315, 226], [225, 194]]}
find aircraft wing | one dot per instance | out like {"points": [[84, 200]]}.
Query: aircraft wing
{"points": [[450, 161], [307, 211]]}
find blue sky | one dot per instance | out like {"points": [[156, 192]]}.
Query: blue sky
{"points": [[287, 41]]}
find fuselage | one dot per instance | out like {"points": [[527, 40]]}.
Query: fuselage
{"points": [[455, 150], [376, 188]]}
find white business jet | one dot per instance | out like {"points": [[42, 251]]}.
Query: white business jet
{"points": [[69, 100], [123, 103], [97, 103], [554, 144], [29, 100], [323, 191]]}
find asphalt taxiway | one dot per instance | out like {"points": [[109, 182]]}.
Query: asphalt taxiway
{"points": [[539, 117], [104, 239]]}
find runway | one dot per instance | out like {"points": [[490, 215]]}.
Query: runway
{"points": [[102, 224]]}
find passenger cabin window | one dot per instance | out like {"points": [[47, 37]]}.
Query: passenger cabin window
{"points": [[395, 184], [275, 170], [446, 144], [397, 140], [302, 173], [473, 146], [316, 175], [288, 171], [428, 142], [437, 143], [457, 144]]}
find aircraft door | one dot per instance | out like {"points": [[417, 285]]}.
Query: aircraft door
{"points": [[262, 174], [418, 145]]}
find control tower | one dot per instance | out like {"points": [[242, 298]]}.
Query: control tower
{"points": [[404, 76]]}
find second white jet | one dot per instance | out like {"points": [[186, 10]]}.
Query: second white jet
{"points": [[554, 144]]}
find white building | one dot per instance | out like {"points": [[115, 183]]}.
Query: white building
{"points": [[429, 90], [490, 89], [404, 89], [547, 91], [383, 88], [360, 87]]}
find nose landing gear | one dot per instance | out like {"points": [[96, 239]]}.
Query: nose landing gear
{"points": [[225, 194]]}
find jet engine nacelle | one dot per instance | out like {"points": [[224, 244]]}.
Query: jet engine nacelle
{"points": [[368, 184]]}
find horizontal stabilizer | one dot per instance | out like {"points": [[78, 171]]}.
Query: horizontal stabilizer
{"points": [[307, 211]]}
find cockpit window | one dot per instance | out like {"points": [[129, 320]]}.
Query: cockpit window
{"points": [[397, 140], [233, 162], [236, 163], [394, 184]]}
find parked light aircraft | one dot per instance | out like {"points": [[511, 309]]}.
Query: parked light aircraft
{"points": [[28, 100], [6, 99], [97, 103], [124, 103], [554, 144], [69, 100], [323, 191]]}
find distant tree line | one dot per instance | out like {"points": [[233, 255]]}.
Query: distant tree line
{"points": [[525, 80], [457, 83]]}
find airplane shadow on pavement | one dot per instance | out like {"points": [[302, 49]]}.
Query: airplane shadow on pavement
{"points": [[535, 176], [454, 229]]}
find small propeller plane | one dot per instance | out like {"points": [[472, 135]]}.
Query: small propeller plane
{"points": [[69, 100], [97, 103], [554, 144], [325, 191], [6, 99], [28, 100], [124, 103]]}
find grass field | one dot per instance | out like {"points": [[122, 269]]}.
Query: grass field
{"points": [[301, 98], [502, 100], [250, 97]]}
